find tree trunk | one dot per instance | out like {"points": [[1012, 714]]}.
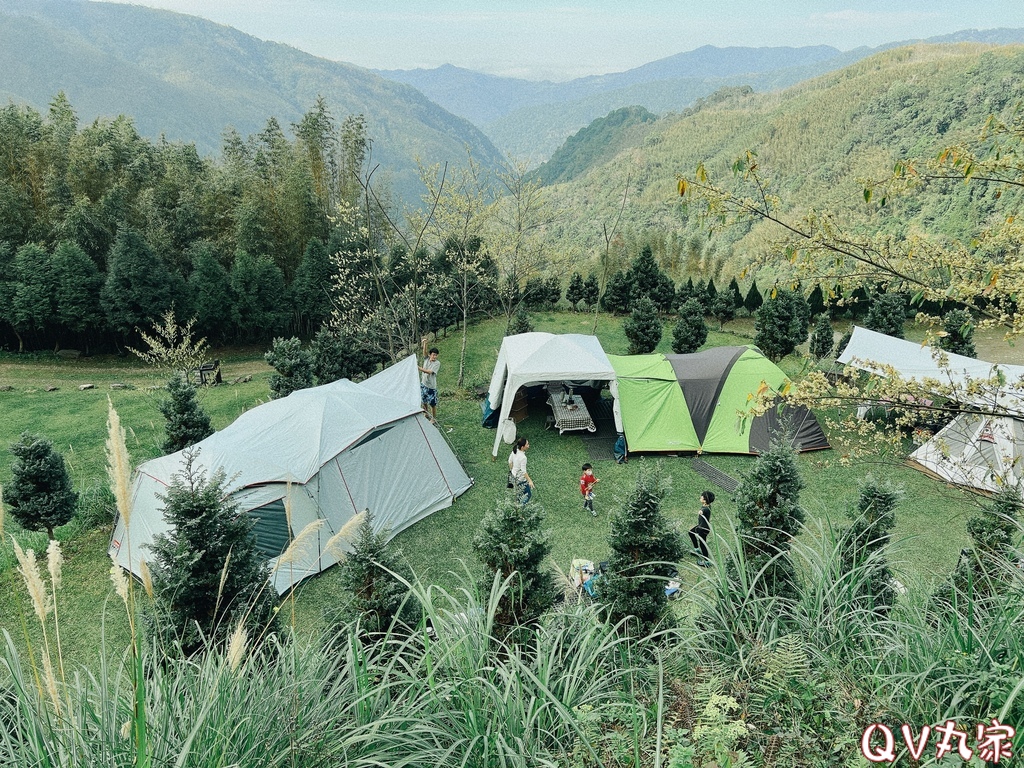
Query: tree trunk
{"points": [[462, 353]]}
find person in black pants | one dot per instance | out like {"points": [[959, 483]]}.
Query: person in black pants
{"points": [[699, 533]]}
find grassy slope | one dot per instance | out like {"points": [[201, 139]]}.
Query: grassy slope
{"points": [[930, 520]]}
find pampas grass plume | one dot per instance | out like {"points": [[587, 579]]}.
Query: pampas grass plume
{"points": [[299, 543], [54, 562], [347, 532], [119, 580], [237, 645], [119, 468], [29, 570]]}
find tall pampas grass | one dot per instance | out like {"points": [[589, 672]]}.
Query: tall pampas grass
{"points": [[119, 467], [348, 531]]}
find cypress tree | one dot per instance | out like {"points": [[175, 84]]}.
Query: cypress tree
{"points": [[958, 326], [40, 494], [591, 290], [187, 422], [887, 314], [261, 301], [862, 544], [519, 323], [312, 286], [645, 278], [645, 550], [769, 515], [723, 309], [816, 300], [552, 291], [617, 295], [821, 339], [642, 327], [737, 295], [574, 293], [208, 574], [210, 287], [754, 300], [78, 283], [511, 540], [372, 576], [338, 353], [138, 285], [780, 324], [690, 330], [293, 367]]}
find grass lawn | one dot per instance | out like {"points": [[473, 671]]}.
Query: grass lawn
{"points": [[930, 529]]}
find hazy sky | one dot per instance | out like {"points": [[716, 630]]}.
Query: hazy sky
{"points": [[538, 39]]}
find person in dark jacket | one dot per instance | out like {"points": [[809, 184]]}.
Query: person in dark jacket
{"points": [[700, 532]]}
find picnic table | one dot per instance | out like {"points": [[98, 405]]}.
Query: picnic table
{"points": [[571, 415]]}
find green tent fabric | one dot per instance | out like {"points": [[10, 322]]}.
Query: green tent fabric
{"points": [[699, 403]]}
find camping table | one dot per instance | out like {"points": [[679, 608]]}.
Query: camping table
{"points": [[571, 417]]}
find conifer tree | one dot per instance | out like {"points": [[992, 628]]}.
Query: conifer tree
{"points": [[77, 289], [208, 574], [642, 327], [769, 515], [816, 300], [138, 285], [958, 326], [753, 300], [293, 367], [552, 291], [187, 422], [337, 353], [723, 309], [519, 323], [710, 290], [821, 339], [887, 314], [591, 290], [862, 544], [617, 295], [645, 278], [781, 324], [312, 285], [261, 305], [690, 331], [371, 574], [210, 288], [574, 292], [535, 293], [737, 295], [511, 540], [645, 550], [40, 494]]}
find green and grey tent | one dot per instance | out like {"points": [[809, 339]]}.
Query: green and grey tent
{"points": [[324, 453], [701, 403]]}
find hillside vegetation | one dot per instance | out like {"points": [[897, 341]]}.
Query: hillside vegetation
{"points": [[189, 79], [817, 142]]}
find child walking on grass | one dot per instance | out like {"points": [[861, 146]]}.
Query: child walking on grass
{"points": [[587, 482]]}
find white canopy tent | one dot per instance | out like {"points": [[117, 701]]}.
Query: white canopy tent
{"points": [[983, 447], [931, 368], [334, 450], [535, 358]]}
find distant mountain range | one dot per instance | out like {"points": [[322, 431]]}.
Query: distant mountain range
{"points": [[189, 79], [531, 119]]}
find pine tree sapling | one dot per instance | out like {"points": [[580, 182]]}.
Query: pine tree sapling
{"points": [[863, 543], [187, 423], [643, 327], [208, 575], [591, 290], [887, 314], [519, 323], [822, 338], [754, 299], [39, 495], [781, 324], [645, 550], [293, 367], [737, 295], [689, 331], [769, 515], [617, 295], [511, 540], [958, 333], [574, 293], [370, 574]]}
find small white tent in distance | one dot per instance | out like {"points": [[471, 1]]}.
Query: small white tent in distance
{"points": [[983, 446], [335, 450], [536, 358]]}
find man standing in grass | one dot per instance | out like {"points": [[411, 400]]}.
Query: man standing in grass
{"points": [[428, 380]]}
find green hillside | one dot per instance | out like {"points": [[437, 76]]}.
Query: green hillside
{"points": [[600, 140], [817, 142], [189, 79]]}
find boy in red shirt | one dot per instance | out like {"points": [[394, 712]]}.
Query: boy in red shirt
{"points": [[587, 482]]}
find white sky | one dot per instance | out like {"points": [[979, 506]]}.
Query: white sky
{"points": [[538, 39]]}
